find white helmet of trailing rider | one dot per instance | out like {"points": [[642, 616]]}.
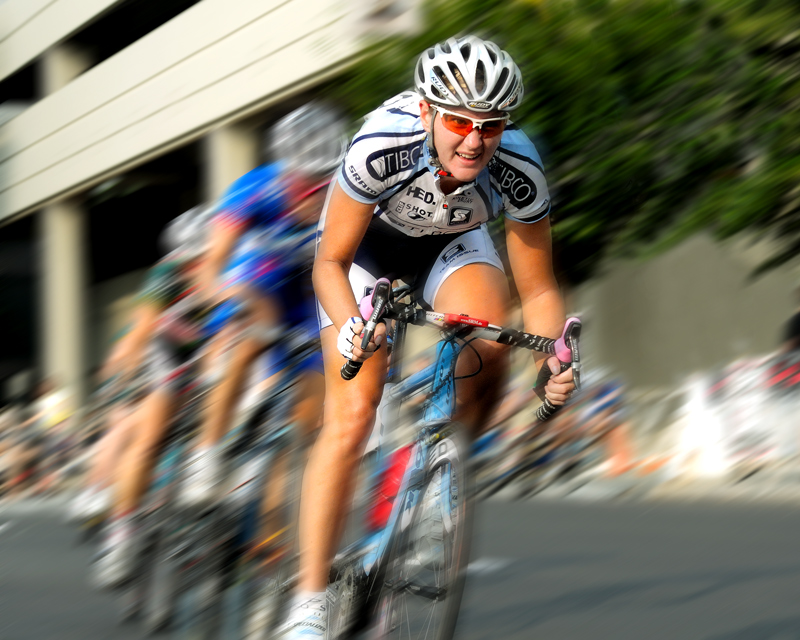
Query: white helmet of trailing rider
{"points": [[469, 72], [311, 139], [185, 236]]}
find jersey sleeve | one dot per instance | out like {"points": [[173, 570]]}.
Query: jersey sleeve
{"points": [[516, 173], [257, 197], [384, 151]]}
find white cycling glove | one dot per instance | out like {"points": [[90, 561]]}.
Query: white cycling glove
{"points": [[347, 335]]}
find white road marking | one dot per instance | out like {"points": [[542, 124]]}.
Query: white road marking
{"points": [[486, 566]]}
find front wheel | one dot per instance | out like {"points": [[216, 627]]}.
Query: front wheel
{"points": [[426, 566], [269, 577], [161, 588]]}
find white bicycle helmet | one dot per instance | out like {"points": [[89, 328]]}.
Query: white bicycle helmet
{"points": [[310, 139], [185, 236], [469, 72]]}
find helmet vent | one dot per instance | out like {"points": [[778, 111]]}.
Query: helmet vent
{"points": [[480, 77], [498, 86], [507, 95], [459, 78], [446, 81], [465, 49]]}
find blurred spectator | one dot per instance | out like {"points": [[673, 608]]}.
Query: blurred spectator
{"points": [[53, 404], [36, 441]]}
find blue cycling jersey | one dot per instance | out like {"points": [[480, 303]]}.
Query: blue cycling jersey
{"points": [[273, 253], [254, 199]]}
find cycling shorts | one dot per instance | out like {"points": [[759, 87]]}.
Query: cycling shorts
{"points": [[306, 335], [425, 262], [276, 359], [164, 364], [255, 265], [220, 316]]}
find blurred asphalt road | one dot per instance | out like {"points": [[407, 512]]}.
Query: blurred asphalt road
{"points": [[555, 570], [44, 593]]}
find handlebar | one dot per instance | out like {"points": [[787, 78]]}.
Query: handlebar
{"points": [[376, 306], [350, 369], [381, 305]]}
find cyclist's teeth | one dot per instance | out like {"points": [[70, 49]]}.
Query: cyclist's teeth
{"points": [[464, 155]]}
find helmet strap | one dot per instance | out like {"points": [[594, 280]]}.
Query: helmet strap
{"points": [[434, 155]]}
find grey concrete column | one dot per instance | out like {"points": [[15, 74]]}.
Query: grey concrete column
{"points": [[229, 152], [64, 290], [60, 65]]}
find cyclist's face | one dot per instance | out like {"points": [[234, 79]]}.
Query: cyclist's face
{"points": [[464, 157]]}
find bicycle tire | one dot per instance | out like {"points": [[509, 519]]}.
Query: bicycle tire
{"points": [[266, 587], [197, 610], [425, 570], [130, 595], [160, 566], [347, 600], [268, 595], [161, 593], [348, 586]]}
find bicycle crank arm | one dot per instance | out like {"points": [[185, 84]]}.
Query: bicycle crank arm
{"points": [[431, 593]]}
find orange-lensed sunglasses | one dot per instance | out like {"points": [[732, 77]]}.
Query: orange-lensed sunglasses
{"points": [[463, 125]]}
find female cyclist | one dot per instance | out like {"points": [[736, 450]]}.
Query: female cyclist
{"points": [[420, 181]]}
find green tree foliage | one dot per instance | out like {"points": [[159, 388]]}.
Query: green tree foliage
{"points": [[655, 118]]}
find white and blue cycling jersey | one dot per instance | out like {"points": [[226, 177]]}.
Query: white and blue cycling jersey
{"points": [[388, 164], [418, 233]]}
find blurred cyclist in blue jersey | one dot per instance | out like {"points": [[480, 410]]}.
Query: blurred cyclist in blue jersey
{"points": [[261, 247], [257, 249]]}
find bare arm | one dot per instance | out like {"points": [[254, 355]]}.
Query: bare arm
{"points": [[345, 225], [223, 237], [128, 353], [531, 256]]}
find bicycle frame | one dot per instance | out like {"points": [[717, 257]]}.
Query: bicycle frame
{"points": [[437, 415], [435, 444]]}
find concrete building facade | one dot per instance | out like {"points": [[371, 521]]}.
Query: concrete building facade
{"points": [[196, 79], [101, 97]]}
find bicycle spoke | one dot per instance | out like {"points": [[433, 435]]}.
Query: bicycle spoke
{"points": [[421, 589]]}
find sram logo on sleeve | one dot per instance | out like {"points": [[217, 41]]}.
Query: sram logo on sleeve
{"points": [[513, 182]]}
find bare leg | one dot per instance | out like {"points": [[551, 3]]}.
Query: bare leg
{"points": [[110, 448], [480, 291], [307, 415], [136, 466], [330, 474], [223, 398], [308, 411]]}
